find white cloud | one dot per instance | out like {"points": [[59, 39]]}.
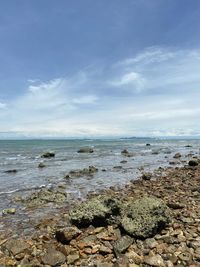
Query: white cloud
{"points": [[154, 93]]}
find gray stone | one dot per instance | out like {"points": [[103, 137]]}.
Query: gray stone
{"points": [[16, 246], [49, 154], [144, 217], [53, 257], [67, 234], [122, 244], [96, 211], [85, 150]]}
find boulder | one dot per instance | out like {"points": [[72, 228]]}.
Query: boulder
{"points": [[49, 154], [86, 150], [44, 196], [11, 171], [97, 211], [193, 163], [144, 217], [91, 170]]}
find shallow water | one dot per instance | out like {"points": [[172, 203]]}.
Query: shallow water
{"points": [[24, 156]]}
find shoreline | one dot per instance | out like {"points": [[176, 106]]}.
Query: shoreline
{"points": [[178, 244]]}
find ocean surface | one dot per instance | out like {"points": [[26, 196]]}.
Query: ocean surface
{"points": [[24, 156]]}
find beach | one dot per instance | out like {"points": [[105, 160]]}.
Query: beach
{"points": [[152, 182]]}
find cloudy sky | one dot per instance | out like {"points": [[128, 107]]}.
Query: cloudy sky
{"points": [[74, 68]]}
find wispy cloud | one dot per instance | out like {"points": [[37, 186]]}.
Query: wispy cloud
{"points": [[156, 92]]}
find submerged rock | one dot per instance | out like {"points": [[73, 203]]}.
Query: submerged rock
{"points": [[146, 176], [11, 171], [49, 154], [122, 244], [45, 196], [9, 211], [96, 211], [86, 150], [144, 217], [177, 156], [91, 170]]}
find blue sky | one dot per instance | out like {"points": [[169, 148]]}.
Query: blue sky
{"points": [[99, 68]]}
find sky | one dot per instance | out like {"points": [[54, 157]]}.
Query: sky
{"points": [[74, 68]]}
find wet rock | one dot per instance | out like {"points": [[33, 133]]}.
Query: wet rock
{"points": [[41, 165], [67, 234], [193, 163], [148, 144], [91, 170], [44, 196], [8, 211], [177, 156], [49, 154], [122, 244], [11, 171], [145, 217], [16, 246], [53, 257], [123, 161], [146, 176], [96, 211], [85, 150], [155, 260], [117, 167]]}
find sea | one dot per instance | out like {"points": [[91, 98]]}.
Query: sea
{"points": [[25, 155]]}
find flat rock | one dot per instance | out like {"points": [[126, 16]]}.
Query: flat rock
{"points": [[53, 257], [122, 244], [49, 154], [16, 246], [86, 150]]}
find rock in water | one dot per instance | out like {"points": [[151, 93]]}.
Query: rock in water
{"points": [[96, 211], [16, 246], [146, 176], [9, 211], [48, 154], [67, 234], [145, 217], [177, 156], [85, 150], [193, 163], [41, 165]]}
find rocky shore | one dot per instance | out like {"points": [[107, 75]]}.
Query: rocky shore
{"points": [[152, 221]]}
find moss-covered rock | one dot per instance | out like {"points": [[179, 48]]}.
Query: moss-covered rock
{"points": [[97, 211], [144, 217]]}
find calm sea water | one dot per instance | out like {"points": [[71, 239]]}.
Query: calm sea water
{"points": [[24, 156]]}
